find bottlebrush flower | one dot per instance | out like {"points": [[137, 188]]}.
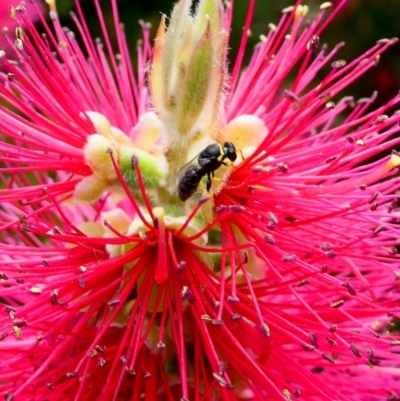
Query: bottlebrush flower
{"points": [[280, 282]]}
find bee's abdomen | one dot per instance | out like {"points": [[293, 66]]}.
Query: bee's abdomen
{"points": [[189, 182]]}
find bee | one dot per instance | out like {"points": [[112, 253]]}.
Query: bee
{"points": [[208, 160]]}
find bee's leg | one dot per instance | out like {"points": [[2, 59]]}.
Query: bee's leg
{"points": [[209, 181], [211, 197], [216, 178], [209, 194], [227, 163]]}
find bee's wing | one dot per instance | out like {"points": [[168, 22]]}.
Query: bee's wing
{"points": [[173, 183]]}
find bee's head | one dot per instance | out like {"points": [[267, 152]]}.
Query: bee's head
{"points": [[230, 151]]}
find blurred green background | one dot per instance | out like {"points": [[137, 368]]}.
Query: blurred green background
{"points": [[360, 24]]}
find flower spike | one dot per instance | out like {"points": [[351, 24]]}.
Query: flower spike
{"points": [[188, 76]]}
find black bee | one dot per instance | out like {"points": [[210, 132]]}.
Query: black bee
{"points": [[209, 160]]}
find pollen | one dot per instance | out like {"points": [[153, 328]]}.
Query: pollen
{"points": [[52, 5], [288, 10], [325, 5], [394, 161]]}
